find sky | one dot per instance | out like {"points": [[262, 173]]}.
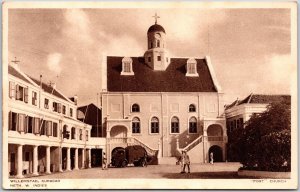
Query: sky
{"points": [[249, 48]]}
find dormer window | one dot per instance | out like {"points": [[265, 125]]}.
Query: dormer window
{"points": [[127, 66], [191, 68]]}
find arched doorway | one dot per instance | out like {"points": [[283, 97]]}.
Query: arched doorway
{"points": [[215, 130], [118, 131], [217, 153]]}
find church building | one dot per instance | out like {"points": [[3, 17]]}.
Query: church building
{"points": [[166, 104]]}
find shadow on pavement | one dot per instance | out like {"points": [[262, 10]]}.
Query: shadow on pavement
{"points": [[204, 175]]}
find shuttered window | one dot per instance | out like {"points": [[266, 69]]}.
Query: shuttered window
{"points": [[29, 124], [59, 108], [34, 98], [86, 135], [43, 127], [12, 89], [55, 129], [13, 118], [36, 125], [26, 95]]}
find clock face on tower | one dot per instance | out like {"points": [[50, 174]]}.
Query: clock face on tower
{"points": [[157, 35]]}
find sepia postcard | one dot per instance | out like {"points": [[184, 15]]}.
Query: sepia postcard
{"points": [[149, 95]]}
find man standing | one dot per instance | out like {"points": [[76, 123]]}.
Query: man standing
{"points": [[185, 161], [104, 161], [211, 158]]}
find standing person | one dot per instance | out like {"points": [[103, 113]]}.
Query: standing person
{"points": [[104, 161], [211, 158], [186, 162], [181, 161]]}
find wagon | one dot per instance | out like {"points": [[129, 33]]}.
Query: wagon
{"points": [[135, 154]]}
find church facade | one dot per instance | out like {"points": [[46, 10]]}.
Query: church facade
{"points": [[164, 104]]}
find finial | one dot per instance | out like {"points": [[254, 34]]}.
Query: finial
{"points": [[156, 17]]}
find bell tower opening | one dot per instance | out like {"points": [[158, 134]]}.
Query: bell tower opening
{"points": [[156, 55]]}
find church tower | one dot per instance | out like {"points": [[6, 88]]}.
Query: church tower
{"points": [[156, 56]]}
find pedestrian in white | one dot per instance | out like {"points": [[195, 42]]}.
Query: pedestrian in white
{"points": [[211, 158]]}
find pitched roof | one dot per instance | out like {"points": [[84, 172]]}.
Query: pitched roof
{"points": [[145, 79], [14, 72], [260, 99], [49, 89]]}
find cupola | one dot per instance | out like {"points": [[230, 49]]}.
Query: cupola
{"points": [[156, 55]]}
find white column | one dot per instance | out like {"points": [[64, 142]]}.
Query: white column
{"points": [[35, 160], [60, 160], [20, 162], [68, 159], [76, 159], [48, 160], [89, 155], [83, 158]]}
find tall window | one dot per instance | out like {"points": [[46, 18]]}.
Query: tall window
{"points": [[55, 106], [158, 43], [73, 131], [22, 93], [193, 125], [34, 98], [71, 112], [135, 108], [80, 134], [154, 125], [86, 135], [46, 104], [136, 125], [174, 125], [13, 119], [149, 59], [30, 124], [12, 89], [64, 109], [55, 125], [158, 58], [192, 108], [43, 127]]}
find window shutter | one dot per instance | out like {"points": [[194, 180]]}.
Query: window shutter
{"points": [[21, 122], [10, 121], [26, 124], [59, 108], [12, 89], [26, 95], [18, 92], [36, 129], [49, 128]]}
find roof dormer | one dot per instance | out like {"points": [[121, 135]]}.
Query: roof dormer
{"points": [[191, 68], [127, 66]]}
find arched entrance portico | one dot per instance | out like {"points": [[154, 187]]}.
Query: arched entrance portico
{"points": [[118, 131], [215, 130], [217, 153]]}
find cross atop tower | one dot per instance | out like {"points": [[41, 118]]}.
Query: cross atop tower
{"points": [[15, 61], [156, 17]]}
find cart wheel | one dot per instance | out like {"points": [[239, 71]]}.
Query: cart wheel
{"points": [[143, 163], [124, 163]]}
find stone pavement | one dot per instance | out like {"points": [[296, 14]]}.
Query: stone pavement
{"points": [[217, 170]]}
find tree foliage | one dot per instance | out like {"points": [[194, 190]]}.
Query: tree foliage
{"points": [[265, 142]]}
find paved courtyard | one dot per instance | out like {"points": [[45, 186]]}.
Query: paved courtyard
{"points": [[215, 171]]}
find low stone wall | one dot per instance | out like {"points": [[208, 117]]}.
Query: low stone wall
{"points": [[265, 174]]}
